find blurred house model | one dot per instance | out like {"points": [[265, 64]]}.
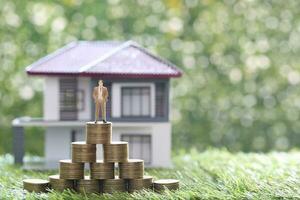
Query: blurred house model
{"points": [[138, 106]]}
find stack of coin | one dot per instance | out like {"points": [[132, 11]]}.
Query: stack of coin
{"points": [[114, 185], [132, 169], [98, 133], [88, 185], [70, 170], [60, 184], [36, 185], [162, 184], [101, 170], [116, 152], [83, 152], [139, 184], [102, 173]]}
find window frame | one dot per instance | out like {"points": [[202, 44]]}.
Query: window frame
{"points": [[141, 88], [142, 136]]}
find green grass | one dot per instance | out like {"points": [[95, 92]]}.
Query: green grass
{"points": [[213, 174]]}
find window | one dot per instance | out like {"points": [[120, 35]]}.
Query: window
{"points": [[71, 100], [70, 97], [139, 146], [136, 101], [160, 100], [68, 100]]}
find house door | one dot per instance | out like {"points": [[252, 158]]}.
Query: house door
{"points": [[68, 98], [139, 146]]}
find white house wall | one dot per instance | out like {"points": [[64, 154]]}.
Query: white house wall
{"points": [[116, 96], [57, 144], [58, 141], [51, 98], [84, 85], [161, 146], [160, 139]]}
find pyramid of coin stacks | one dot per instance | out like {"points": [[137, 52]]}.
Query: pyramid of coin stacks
{"points": [[102, 178]]}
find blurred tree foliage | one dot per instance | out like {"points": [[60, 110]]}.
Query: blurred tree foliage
{"points": [[241, 62]]}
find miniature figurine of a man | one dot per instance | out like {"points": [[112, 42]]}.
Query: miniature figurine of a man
{"points": [[100, 95]]}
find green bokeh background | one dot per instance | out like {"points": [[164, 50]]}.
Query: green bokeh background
{"points": [[240, 88]]}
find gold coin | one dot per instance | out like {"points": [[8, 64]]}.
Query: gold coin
{"points": [[140, 184], [114, 185], [101, 170], [60, 184], [70, 170], [88, 185], [98, 133], [82, 152], [115, 152], [132, 169], [162, 184], [36, 185]]}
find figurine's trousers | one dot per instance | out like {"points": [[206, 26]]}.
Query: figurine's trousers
{"points": [[100, 105]]}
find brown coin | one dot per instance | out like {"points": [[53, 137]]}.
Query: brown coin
{"points": [[36, 185], [98, 133], [140, 184], [71, 171], [60, 184], [88, 185], [116, 152], [162, 184], [132, 169], [82, 152], [102, 170], [114, 185]]}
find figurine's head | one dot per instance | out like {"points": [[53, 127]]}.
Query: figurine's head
{"points": [[100, 83]]}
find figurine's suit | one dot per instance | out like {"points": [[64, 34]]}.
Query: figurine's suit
{"points": [[100, 95]]}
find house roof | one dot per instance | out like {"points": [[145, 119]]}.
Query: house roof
{"points": [[107, 59]]}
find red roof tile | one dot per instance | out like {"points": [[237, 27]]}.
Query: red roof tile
{"points": [[106, 59]]}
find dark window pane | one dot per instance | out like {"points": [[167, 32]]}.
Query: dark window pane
{"points": [[68, 98], [160, 100]]}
